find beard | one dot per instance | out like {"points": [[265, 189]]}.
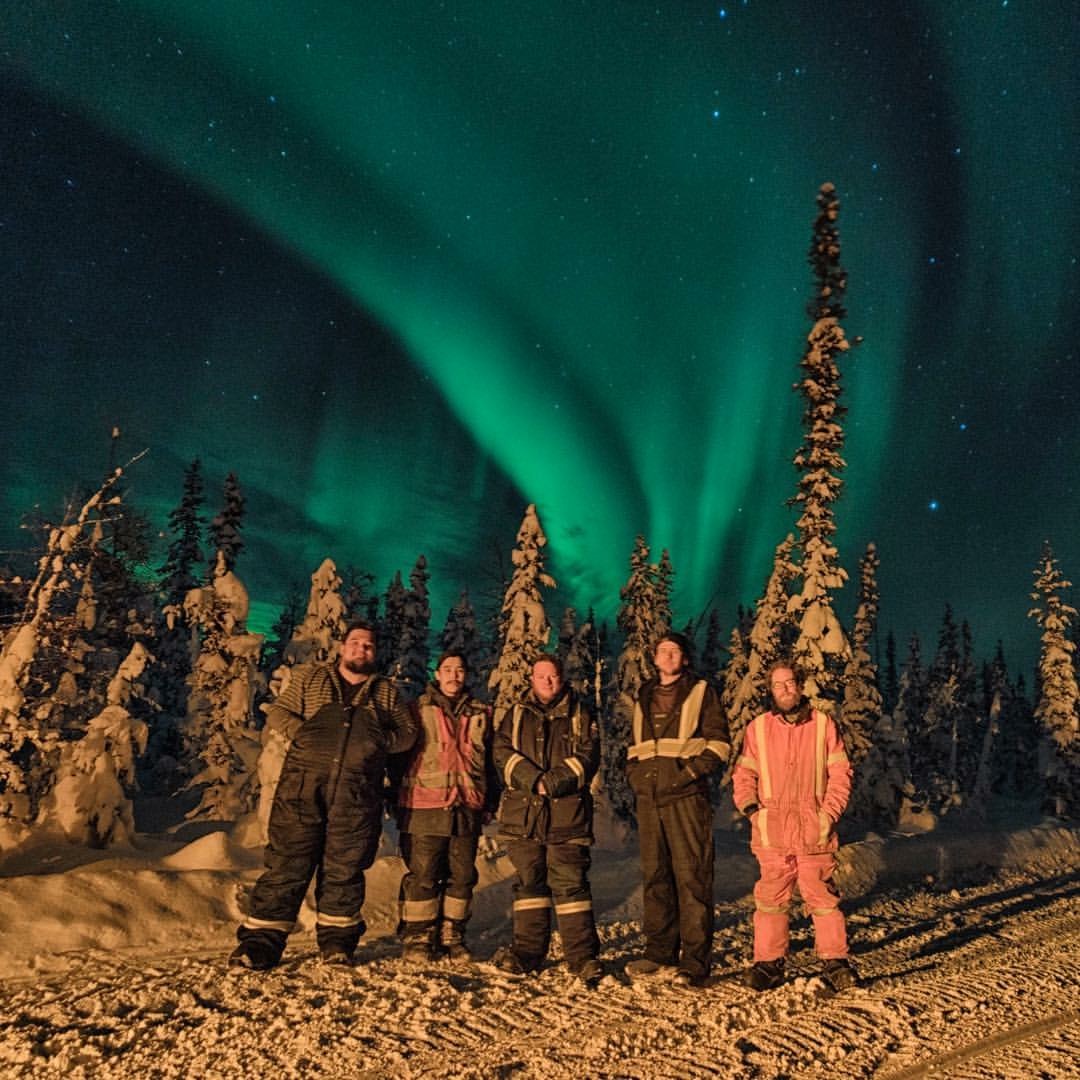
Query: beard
{"points": [[359, 667]]}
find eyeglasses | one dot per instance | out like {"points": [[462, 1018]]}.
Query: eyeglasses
{"points": [[786, 684]]}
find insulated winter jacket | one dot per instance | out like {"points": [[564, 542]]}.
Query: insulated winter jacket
{"points": [[376, 723], [796, 772], [448, 778], [692, 742], [559, 744]]}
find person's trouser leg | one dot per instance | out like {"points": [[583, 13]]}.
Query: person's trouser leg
{"points": [[688, 826], [568, 876], [532, 902], [353, 830], [461, 880], [296, 835], [772, 900], [421, 887], [660, 915], [815, 874]]}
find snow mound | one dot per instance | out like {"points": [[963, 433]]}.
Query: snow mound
{"points": [[214, 851]]}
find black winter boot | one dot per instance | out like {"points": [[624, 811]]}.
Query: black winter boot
{"points": [[840, 974], [766, 975]]}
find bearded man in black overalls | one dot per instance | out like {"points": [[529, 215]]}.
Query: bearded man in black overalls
{"points": [[342, 720]]}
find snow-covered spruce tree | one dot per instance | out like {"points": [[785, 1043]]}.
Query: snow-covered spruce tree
{"points": [[821, 648], [712, 651], [221, 739], [289, 618], [949, 737], [90, 803], [391, 626], [890, 683], [42, 659], [523, 625], [318, 637], [665, 582], [637, 619], [769, 637], [861, 709], [731, 683], [1059, 695], [180, 573], [410, 664], [461, 635], [226, 525], [361, 602]]}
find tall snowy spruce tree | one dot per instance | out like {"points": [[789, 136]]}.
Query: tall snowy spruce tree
{"points": [[861, 711], [220, 737], [643, 616], [227, 523], [411, 650], [821, 646], [461, 635], [769, 638], [1059, 696], [52, 683], [180, 573], [523, 624]]}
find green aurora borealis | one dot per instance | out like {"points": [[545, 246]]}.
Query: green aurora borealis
{"points": [[405, 267]]}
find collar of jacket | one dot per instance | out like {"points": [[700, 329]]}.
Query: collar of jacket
{"points": [[683, 685], [434, 696], [559, 705]]}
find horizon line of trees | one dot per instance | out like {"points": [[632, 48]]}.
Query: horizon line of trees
{"points": [[112, 676]]}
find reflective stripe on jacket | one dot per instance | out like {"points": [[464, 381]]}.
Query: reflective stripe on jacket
{"points": [[799, 775]]}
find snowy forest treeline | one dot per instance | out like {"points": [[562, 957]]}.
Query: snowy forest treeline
{"points": [[118, 676]]}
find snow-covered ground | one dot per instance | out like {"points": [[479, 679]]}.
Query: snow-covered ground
{"points": [[968, 939]]}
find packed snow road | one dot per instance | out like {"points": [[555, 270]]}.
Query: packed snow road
{"points": [[977, 976]]}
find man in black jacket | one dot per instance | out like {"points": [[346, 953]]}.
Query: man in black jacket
{"points": [[547, 748], [326, 818], [680, 735]]}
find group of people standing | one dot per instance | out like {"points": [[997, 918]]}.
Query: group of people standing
{"points": [[453, 766]]}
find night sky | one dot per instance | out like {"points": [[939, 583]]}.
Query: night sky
{"points": [[405, 267]]}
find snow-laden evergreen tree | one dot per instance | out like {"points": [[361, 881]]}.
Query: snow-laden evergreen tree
{"points": [[861, 709], [180, 573], [318, 637], [289, 618], [638, 619], [226, 525], [461, 635], [731, 685], [890, 684], [391, 626], [49, 688], [767, 641], [1059, 695], [410, 664], [712, 651], [523, 625], [665, 582], [221, 738], [90, 803], [951, 735], [358, 595], [911, 705], [585, 665], [821, 648]]}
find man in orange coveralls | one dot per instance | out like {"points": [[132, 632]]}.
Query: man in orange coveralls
{"points": [[793, 780]]}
